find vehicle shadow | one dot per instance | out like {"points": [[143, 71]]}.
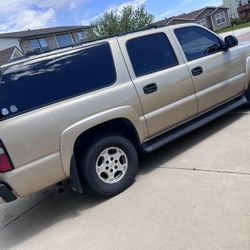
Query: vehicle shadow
{"points": [[149, 162], [69, 205]]}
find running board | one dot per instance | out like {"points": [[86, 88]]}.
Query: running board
{"points": [[185, 128]]}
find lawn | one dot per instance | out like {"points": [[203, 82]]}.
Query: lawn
{"points": [[236, 27]]}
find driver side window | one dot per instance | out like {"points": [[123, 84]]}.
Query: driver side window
{"points": [[197, 42]]}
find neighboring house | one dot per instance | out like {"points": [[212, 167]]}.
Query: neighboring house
{"points": [[244, 10], [238, 8], [214, 18], [9, 54], [232, 6], [43, 40]]}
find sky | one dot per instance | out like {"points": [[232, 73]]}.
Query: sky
{"points": [[16, 15]]}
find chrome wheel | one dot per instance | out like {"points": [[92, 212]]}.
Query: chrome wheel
{"points": [[111, 165]]}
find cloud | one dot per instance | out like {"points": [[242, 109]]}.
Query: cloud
{"points": [[116, 9], [31, 14]]}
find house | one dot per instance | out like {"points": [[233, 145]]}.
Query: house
{"points": [[214, 18], [243, 9], [9, 54], [232, 6], [43, 40], [238, 9]]}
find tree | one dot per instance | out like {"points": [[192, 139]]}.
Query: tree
{"points": [[111, 23]]}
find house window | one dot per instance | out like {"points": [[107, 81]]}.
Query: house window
{"points": [[64, 40], [202, 22], [81, 36], [220, 18], [35, 45], [44, 44], [16, 54], [40, 45]]}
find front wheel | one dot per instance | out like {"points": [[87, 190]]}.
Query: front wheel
{"points": [[109, 166]]}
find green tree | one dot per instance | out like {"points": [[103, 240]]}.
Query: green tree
{"points": [[111, 23]]}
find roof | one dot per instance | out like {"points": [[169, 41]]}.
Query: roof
{"points": [[39, 32], [5, 55], [191, 16]]}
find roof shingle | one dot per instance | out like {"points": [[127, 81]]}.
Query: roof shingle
{"points": [[39, 32]]}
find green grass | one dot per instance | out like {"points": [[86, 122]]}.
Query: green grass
{"points": [[239, 26]]}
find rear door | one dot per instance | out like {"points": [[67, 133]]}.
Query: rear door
{"points": [[161, 78], [218, 75]]}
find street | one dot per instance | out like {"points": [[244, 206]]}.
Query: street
{"points": [[191, 194]]}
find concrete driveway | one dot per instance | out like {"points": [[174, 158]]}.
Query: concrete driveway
{"points": [[192, 194], [243, 35]]}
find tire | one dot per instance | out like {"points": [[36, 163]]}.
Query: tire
{"points": [[109, 166]]}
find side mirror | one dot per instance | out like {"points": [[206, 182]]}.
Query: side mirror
{"points": [[230, 41]]}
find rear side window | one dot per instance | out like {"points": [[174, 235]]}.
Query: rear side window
{"points": [[31, 85], [197, 42], [151, 53]]}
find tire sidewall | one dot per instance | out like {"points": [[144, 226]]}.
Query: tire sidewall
{"points": [[88, 165]]}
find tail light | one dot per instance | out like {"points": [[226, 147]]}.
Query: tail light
{"points": [[5, 162]]}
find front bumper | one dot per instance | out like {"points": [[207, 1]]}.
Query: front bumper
{"points": [[6, 194]]}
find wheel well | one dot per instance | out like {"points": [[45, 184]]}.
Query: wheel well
{"points": [[119, 126]]}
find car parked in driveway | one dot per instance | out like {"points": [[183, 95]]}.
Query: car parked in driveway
{"points": [[83, 114]]}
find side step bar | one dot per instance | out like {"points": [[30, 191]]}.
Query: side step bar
{"points": [[183, 129]]}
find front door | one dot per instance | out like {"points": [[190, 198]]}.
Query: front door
{"points": [[218, 75]]}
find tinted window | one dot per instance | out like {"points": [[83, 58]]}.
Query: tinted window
{"points": [[197, 42], [31, 85], [64, 40], [151, 53]]}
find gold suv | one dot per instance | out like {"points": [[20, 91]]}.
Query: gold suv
{"points": [[83, 114]]}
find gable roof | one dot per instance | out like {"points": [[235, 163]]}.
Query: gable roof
{"points": [[7, 54], [191, 16], [41, 32]]}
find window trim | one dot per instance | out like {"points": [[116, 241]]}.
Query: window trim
{"points": [[200, 21], [153, 71], [219, 39], [219, 17]]}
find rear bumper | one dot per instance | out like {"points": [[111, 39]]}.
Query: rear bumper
{"points": [[6, 194]]}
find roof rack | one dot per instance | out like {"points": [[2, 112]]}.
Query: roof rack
{"points": [[151, 26]]}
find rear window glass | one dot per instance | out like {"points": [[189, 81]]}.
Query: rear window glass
{"points": [[29, 85]]}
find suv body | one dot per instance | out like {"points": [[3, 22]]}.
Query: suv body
{"points": [[140, 90]]}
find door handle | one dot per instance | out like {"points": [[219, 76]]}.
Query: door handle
{"points": [[150, 88], [197, 71]]}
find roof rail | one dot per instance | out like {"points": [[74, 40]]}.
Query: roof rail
{"points": [[151, 26]]}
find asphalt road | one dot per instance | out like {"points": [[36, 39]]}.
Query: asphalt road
{"points": [[192, 194]]}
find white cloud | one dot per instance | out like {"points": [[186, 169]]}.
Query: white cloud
{"points": [[115, 9], [169, 13], [30, 14]]}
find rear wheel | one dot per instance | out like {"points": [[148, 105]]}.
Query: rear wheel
{"points": [[109, 166]]}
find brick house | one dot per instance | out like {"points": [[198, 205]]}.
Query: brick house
{"points": [[43, 40], [214, 18]]}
